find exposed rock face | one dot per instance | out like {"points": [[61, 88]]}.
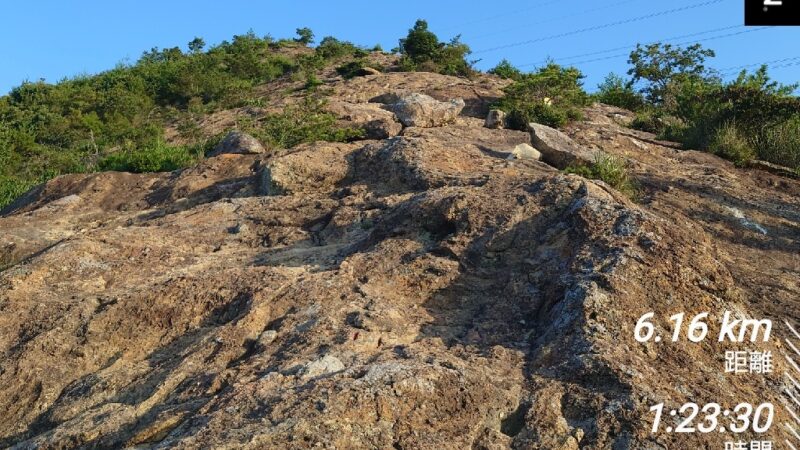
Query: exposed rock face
{"points": [[376, 122], [313, 167], [240, 143], [420, 110], [416, 292], [558, 149], [495, 119], [478, 94]]}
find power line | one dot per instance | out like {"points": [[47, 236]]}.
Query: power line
{"points": [[629, 47], [779, 66], [555, 19], [711, 38], [735, 69], [510, 13], [600, 27], [786, 65]]}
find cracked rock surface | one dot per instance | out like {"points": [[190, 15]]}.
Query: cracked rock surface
{"points": [[419, 291]]}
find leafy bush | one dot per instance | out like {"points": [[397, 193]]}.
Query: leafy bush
{"points": [[158, 157], [648, 120], [301, 123], [615, 91], [12, 187], [350, 70], [552, 96], [312, 81], [197, 45], [504, 69], [729, 143], [659, 65], [420, 44], [49, 129], [749, 117], [355, 68], [422, 51], [764, 112], [780, 144], [329, 50], [610, 169], [332, 48], [304, 36]]}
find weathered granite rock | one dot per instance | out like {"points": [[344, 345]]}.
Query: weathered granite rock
{"points": [[420, 110], [237, 142], [318, 166], [471, 302], [376, 122], [495, 119], [558, 149], [525, 151]]}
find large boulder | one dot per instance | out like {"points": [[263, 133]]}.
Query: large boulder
{"points": [[420, 110], [376, 122], [239, 143], [478, 93], [525, 151], [495, 119], [558, 149], [314, 167]]}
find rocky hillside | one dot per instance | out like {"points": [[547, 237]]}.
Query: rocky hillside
{"points": [[437, 285]]}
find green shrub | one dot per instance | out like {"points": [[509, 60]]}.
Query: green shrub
{"points": [[312, 81], [504, 69], [205, 146], [648, 120], [12, 187], [762, 111], [304, 36], [332, 48], [351, 69], [615, 91], [158, 157], [729, 143], [422, 51], [420, 44], [610, 169], [659, 65], [49, 129], [552, 96], [749, 117], [301, 123], [780, 144], [354, 68]]}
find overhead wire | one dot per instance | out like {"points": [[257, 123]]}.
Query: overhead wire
{"points": [[554, 19], [629, 47], [785, 62], [736, 69], [506, 14], [696, 41], [600, 27]]}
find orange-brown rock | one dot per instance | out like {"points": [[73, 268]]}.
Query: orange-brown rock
{"points": [[422, 291]]}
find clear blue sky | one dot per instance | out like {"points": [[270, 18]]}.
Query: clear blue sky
{"points": [[52, 39]]}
